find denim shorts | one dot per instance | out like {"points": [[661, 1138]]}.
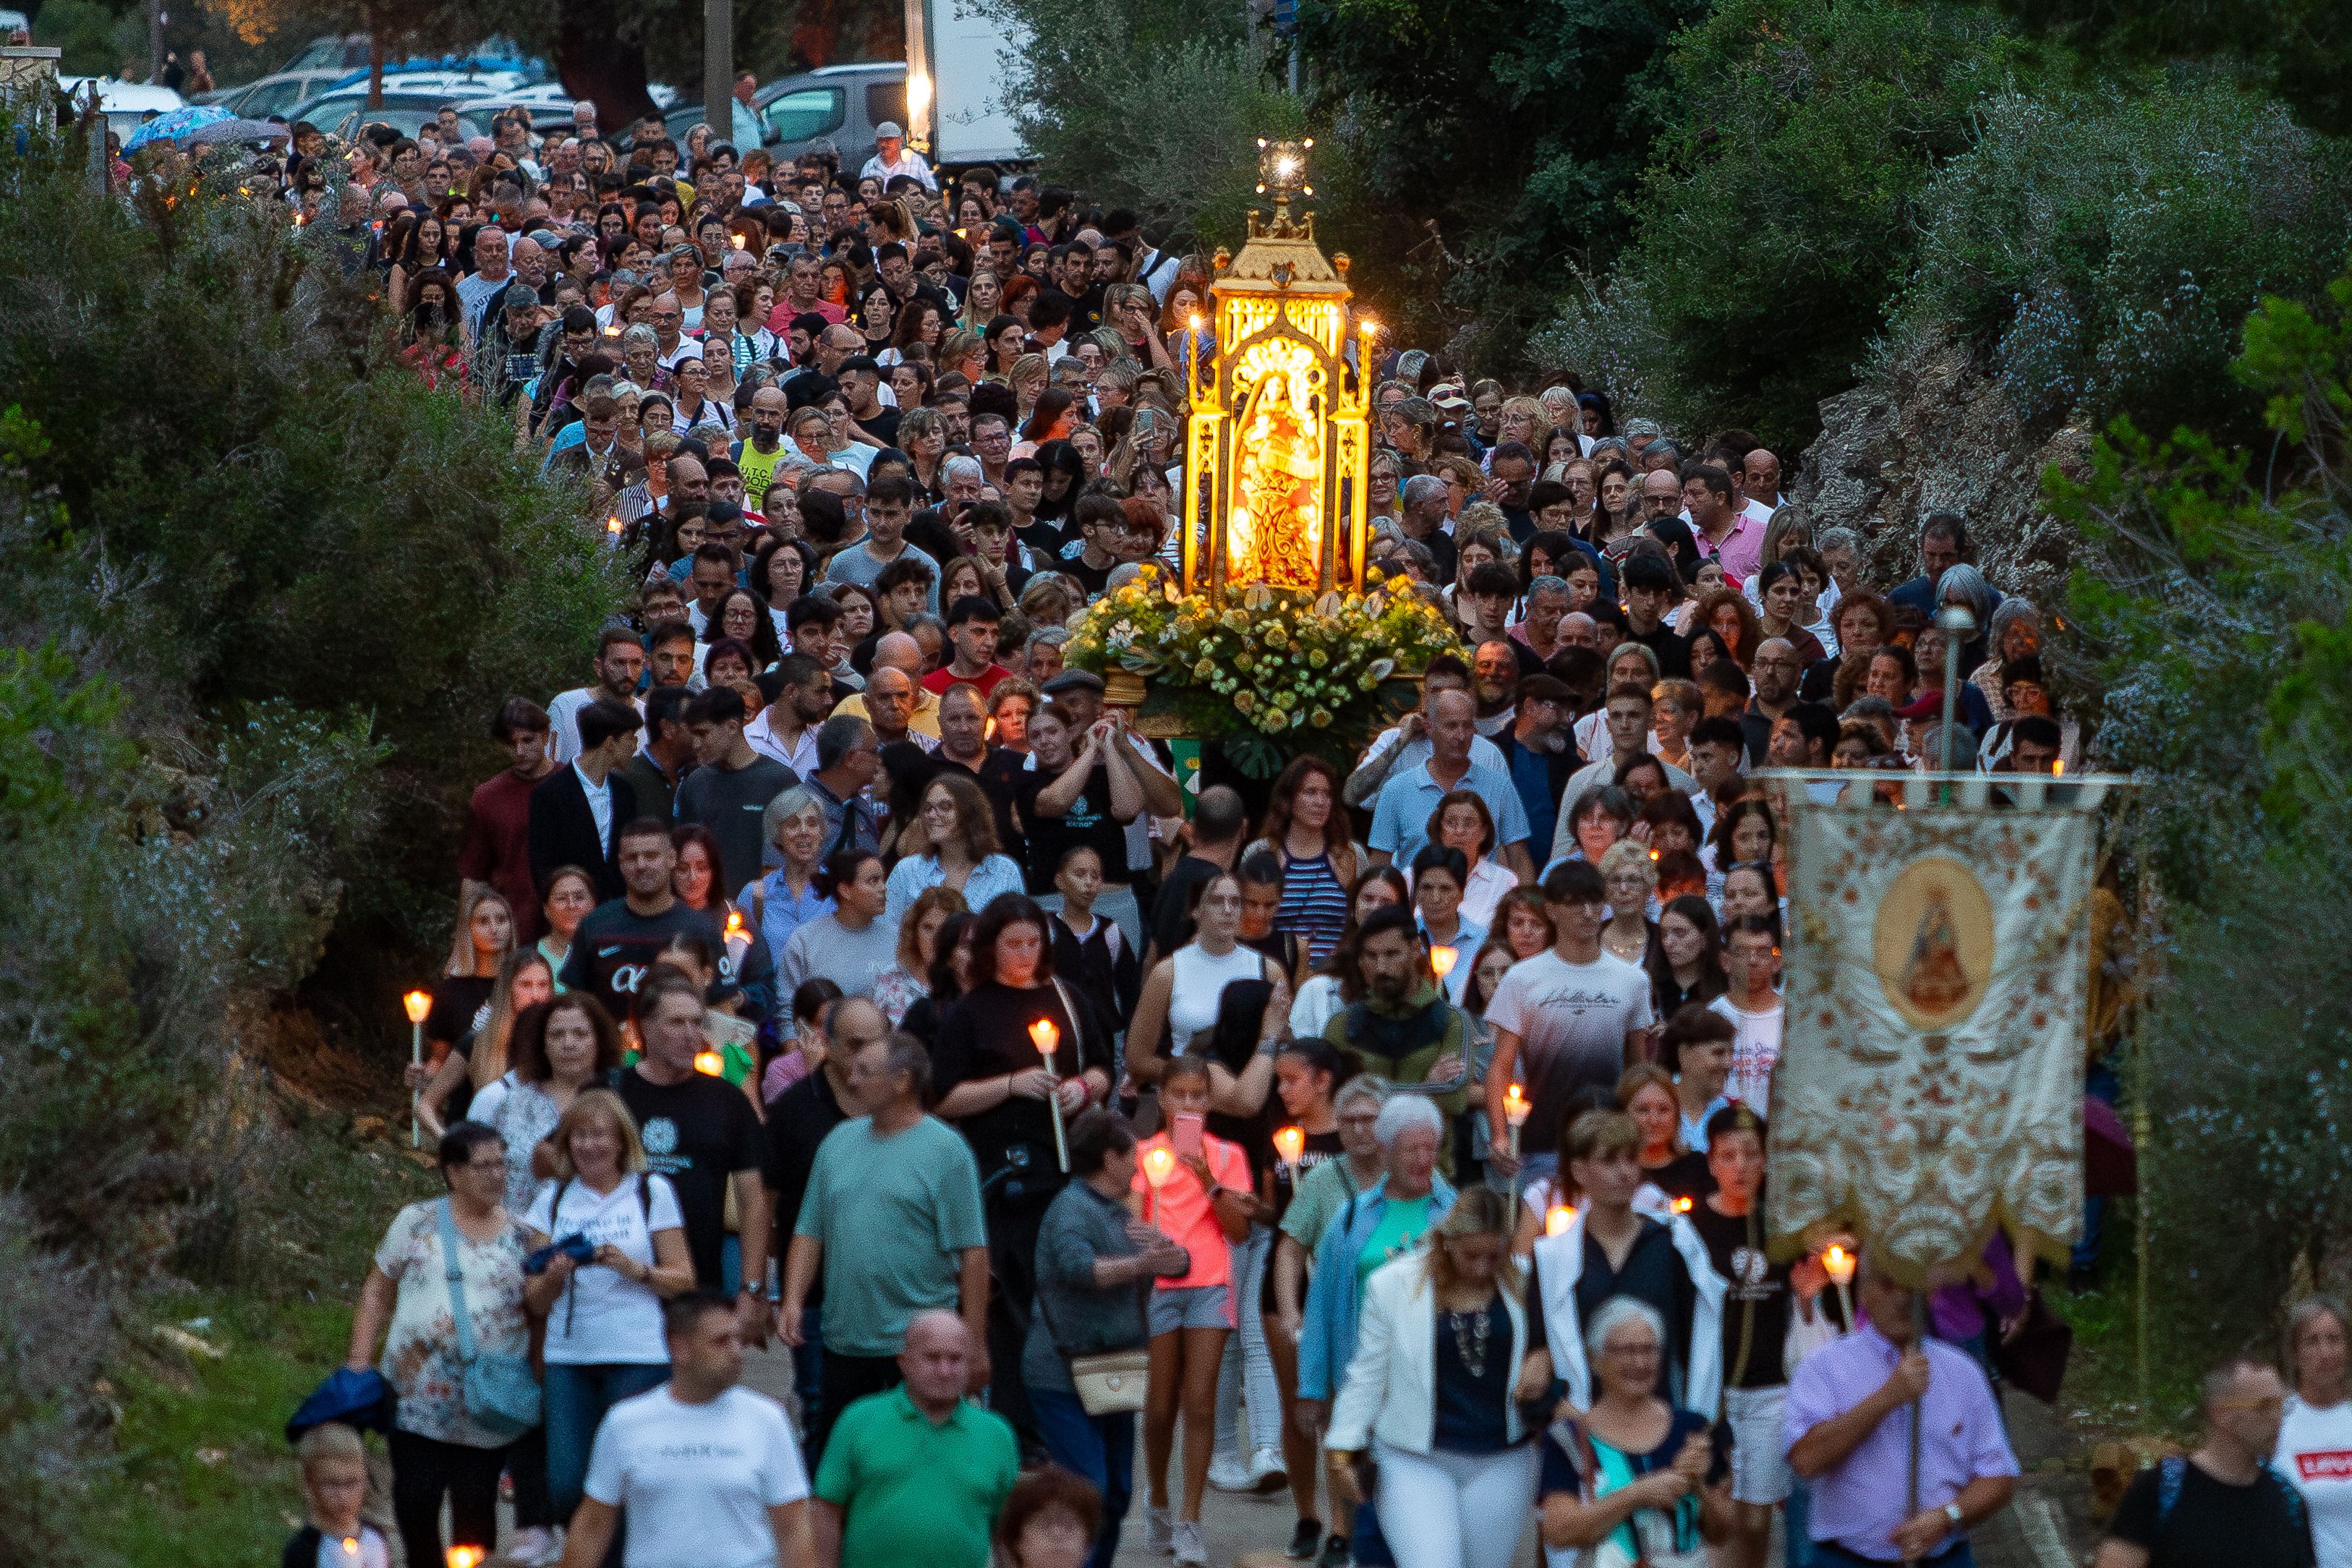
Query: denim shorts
{"points": [[1192, 1306]]}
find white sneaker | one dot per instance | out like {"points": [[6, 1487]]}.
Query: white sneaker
{"points": [[1266, 1473], [1189, 1547], [530, 1547], [1227, 1473], [1158, 1529]]}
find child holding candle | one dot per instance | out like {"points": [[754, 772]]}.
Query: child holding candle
{"points": [[1204, 1204], [334, 1486]]}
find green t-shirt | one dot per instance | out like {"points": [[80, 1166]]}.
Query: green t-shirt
{"points": [[1401, 1222], [1322, 1193], [892, 1213], [913, 1492]]}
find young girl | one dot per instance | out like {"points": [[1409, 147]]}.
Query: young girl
{"points": [[1205, 1205]]}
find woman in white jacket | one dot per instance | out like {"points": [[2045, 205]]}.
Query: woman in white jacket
{"points": [[1438, 1347]]}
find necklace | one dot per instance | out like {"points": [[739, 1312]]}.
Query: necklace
{"points": [[1470, 1332], [1618, 946]]}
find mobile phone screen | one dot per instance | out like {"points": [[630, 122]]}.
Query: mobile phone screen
{"points": [[1184, 1133]]}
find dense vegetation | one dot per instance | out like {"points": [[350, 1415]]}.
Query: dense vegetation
{"points": [[260, 592]]}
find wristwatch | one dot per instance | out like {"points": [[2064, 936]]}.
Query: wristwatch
{"points": [[1952, 1512]]}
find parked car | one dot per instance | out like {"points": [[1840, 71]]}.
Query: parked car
{"points": [[275, 93], [342, 112], [840, 103], [124, 103]]}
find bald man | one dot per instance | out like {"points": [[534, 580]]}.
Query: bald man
{"points": [[899, 652], [918, 1474]]}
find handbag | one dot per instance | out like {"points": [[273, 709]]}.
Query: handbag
{"points": [[2034, 1358], [1108, 1382], [499, 1391]]}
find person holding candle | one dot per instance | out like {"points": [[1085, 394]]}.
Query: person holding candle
{"points": [[1203, 1204], [477, 1059], [1645, 1091], [333, 1459], [999, 1078], [1378, 1225], [461, 999], [1440, 874], [1307, 1074], [1092, 1259]]}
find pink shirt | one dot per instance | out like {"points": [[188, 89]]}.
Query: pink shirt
{"points": [[1742, 550], [1183, 1212]]}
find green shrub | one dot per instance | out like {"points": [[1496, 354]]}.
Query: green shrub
{"points": [[2105, 246]]}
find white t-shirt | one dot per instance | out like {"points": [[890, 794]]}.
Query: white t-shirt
{"points": [[603, 1319], [1754, 1050], [1571, 1020], [2315, 1454], [697, 1479]]}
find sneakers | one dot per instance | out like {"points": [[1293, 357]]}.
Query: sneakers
{"points": [[1266, 1475], [1228, 1474], [534, 1547], [1158, 1529], [1304, 1540], [1189, 1550], [1335, 1553]]}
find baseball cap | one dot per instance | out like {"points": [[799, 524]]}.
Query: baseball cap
{"points": [[889, 131]]}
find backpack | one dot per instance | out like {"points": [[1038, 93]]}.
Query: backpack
{"points": [[2173, 1469]]}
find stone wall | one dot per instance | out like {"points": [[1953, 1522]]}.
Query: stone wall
{"points": [[1933, 430]]}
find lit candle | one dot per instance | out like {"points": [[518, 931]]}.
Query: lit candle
{"points": [[1838, 1264], [1047, 1035], [709, 1063], [1158, 1164], [738, 937], [416, 1004], [1442, 961], [1290, 1143], [1682, 1206], [612, 525], [2058, 767], [1558, 1218], [350, 1548], [1515, 1112], [465, 1556]]}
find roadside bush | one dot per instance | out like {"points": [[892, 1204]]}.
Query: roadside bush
{"points": [[2105, 248]]}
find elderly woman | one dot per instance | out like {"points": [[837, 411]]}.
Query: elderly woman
{"points": [[2015, 634], [1643, 1475], [1377, 1225], [439, 1253], [1438, 1345], [787, 897], [1092, 1258], [1631, 878]]}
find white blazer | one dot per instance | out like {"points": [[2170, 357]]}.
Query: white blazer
{"points": [[1390, 1388], [1559, 1260]]}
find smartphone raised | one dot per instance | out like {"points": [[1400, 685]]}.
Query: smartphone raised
{"points": [[1184, 1133]]}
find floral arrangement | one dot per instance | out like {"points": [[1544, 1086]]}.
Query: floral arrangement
{"points": [[1303, 673]]}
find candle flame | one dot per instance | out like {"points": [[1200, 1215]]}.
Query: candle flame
{"points": [[1682, 1206], [1196, 321], [1047, 1035], [2057, 767], [1158, 1164], [417, 1003], [1442, 961], [465, 1556], [1558, 1218], [612, 523], [709, 1063], [1515, 1106], [734, 924], [351, 1546], [1290, 1143], [1838, 1263]]}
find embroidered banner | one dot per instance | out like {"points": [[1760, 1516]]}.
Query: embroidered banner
{"points": [[1930, 1081]]}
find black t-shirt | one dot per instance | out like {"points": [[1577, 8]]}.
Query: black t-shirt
{"points": [[698, 1133], [1089, 821], [1094, 579], [614, 946], [1757, 1285], [1684, 1176], [986, 1034], [798, 1120], [2261, 1526], [1654, 1273], [1045, 539], [455, 1001], [1673, 651], [882, 423]]}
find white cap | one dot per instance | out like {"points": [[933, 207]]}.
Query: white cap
{"points": [[889, 131]]}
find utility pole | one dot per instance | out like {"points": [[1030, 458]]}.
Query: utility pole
{"points": [[718, 70], [156, 20]]}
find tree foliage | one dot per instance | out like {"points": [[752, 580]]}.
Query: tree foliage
{"points": [[2215, 611]]}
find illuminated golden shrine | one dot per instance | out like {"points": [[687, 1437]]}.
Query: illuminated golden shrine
{"points": [[1280, 441]]}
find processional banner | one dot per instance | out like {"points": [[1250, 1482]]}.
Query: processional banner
{"points": [[1931, 1080]]}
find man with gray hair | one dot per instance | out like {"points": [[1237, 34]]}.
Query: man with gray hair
{"points": [[1425, 499], [893, 1218], [848, 759]]}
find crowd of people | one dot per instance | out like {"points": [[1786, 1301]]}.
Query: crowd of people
{"points": [[835, 968]]}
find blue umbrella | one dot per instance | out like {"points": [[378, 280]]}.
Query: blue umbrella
{"points": [[176, 125]]}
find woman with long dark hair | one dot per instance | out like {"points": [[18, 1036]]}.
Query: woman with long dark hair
{"points": [[1309, 831], [1684, 963]]}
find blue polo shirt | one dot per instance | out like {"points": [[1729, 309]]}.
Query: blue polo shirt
{"points": [[1401, 819]]}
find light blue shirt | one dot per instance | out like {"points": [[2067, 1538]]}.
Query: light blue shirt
{"points": [[910, 877], [1401, 819]]}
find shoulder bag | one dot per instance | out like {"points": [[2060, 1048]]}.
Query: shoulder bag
{"points": [[1109, 1382], [497, 1391]]}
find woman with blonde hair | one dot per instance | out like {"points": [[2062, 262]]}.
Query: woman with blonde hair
{"points": [[483, 938], [602, 1298], [2318, 1423], [1645, 1091], [908, 982], [524, 980], [1440, 1340], [1027, 378]]}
